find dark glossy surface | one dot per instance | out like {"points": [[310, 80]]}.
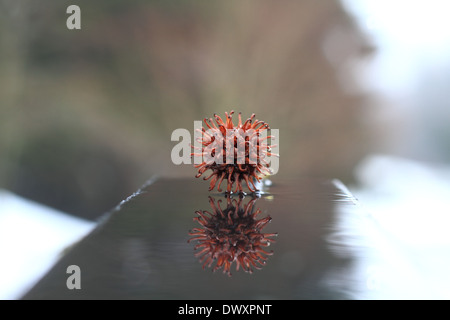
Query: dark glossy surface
{"points": [[141, 251]]}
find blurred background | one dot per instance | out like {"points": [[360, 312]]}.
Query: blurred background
{"points": [[358, 90], [87, 115]]}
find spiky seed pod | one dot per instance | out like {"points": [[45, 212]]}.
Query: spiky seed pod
{"points": [[232, 235], [234, 153]]}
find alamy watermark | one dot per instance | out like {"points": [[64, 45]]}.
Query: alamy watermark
{"points": [[74, 280], [74, 20]]}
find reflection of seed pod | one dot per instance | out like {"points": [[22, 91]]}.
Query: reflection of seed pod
{"points": [[234, 153], [232, 235]]}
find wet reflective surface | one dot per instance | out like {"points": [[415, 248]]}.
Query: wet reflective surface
{"points": [[150, 247]]}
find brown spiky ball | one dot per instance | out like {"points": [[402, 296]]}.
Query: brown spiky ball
{"points": [[232, 235], [250, 152]]}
